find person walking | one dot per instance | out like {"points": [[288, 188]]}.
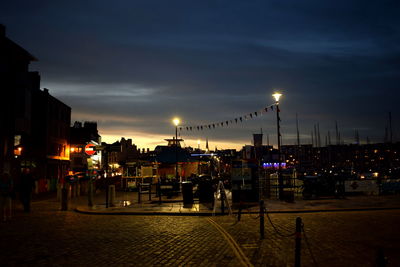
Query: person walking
{"points": [[27, 184], [6, 191]]}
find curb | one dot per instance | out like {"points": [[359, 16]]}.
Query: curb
{"points": [[160, 213]]}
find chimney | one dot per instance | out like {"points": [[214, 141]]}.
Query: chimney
{"points": [[2, 30]]}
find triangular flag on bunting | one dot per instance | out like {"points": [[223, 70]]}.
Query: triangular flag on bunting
{"points": [[236, 120], [272, 108], [191, 128], [209, 126], [255, 113], [251, 115], [201, 127], [231, 121], [245, 117], [187, 128], [266, 109], [198, 128], [240, 119], [180, 128], [226, 122], [213, 125]]}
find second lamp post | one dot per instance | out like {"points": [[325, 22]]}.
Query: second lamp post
{"points": [[278, 119], [176, 122]]}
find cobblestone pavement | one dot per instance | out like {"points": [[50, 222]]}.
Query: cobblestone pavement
{"points": [[50, 237], [335, 238]]}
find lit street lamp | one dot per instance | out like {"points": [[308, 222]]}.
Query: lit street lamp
{"points": [[176, 122], [280, 180]]}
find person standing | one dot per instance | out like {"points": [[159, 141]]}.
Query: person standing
{"points": [[6, 191], [27, 184]]}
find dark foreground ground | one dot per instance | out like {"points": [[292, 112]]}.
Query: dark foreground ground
{"points": [[50, 237]]}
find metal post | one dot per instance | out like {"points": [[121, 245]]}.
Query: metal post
{"points": [[176, 151], [111, 193], [139, 193], [150, 191], [106, 189], [222, 193], [261, 219], [90, 194], [159, 192], [64, 198], [298, 243], [240, 203], [280, 180]]}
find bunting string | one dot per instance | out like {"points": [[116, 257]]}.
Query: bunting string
{"points": [[226, 123]]}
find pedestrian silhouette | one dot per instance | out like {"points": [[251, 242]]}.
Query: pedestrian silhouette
{"points": [[27, 184]]}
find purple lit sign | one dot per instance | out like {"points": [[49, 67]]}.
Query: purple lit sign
{"points": [[274, 165]]}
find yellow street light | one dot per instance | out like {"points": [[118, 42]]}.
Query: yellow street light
{"points": [[277, 95], [176, 121]]}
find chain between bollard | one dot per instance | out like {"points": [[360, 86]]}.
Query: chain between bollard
{"points": [[276, 229]]}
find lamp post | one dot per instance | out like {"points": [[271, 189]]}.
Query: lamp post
{"points": [[198, 164], [280, 180], [176, 122]]}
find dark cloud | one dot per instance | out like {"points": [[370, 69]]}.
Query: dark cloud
{"points": [[134, 65]]}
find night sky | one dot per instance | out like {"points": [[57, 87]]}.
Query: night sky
{"points": [[134, 65]]}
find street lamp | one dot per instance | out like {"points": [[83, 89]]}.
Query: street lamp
{"points": [[198, 164], [277, 96], [176, 122]]}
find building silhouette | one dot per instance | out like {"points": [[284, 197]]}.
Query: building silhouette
{"points": [[34, 125]]}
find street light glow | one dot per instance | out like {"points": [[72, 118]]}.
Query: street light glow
{"points": [[277, 95], [176, 121]]}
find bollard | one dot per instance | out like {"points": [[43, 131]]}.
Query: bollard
{"points": [[90, 194], [59, 192], [159, 192], [111, 193], [150, 192], [69, 187], [261, 219], [240, 211], [78, 189], [222, 201], [64, 198], [106, 189], [139, 193], [298, 243]]}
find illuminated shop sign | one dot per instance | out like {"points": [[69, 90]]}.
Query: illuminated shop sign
{"points": [[274, 165]]}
